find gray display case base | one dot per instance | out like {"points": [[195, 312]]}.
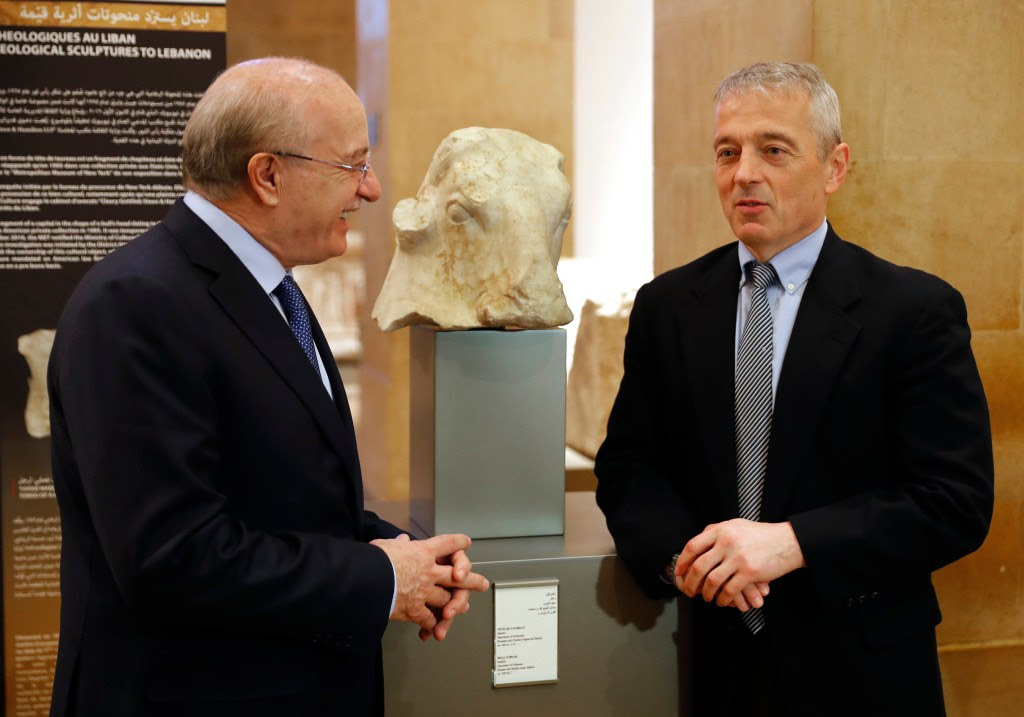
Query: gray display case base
{"points": [[620, 653], [487, 431]]}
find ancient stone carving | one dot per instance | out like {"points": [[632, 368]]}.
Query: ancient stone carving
{"points": [[596, 371], [478, 245], [35, 347]]}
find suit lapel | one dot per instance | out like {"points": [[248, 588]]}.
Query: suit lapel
{"points": [[821, 340], [351, 454], [707, 328], [242, 298]]}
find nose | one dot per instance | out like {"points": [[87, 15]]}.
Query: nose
{"points": [[369, 188], [748, 168]]}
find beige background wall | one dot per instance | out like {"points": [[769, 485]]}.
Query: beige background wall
{"points": [[443, 65], [320, 30], [932, 95]]}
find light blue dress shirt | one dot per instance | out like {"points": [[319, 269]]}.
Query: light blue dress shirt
{"points": [[793, 265]]}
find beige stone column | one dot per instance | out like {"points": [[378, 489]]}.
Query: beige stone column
{"points": [[932, 96]]}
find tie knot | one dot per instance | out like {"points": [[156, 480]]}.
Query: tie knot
{"points": [[762, 274], [289, 293]]}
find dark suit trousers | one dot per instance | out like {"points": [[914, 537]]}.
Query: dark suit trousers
{"points": [[742, 675]]}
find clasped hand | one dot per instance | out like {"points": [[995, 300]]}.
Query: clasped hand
{"points": [[732, 563], [434, 580]]}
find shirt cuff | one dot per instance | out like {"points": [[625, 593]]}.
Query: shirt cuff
{"points": [[394, 593]]}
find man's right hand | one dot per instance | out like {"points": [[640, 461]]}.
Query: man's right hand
{"points": [[731, 563], [425, 582]]}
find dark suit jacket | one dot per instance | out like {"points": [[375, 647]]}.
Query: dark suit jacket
{"points": [[215, 555], [880, 456]]}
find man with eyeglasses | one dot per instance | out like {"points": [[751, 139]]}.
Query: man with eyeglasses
{"points": [[800, 437], [217, 558]]}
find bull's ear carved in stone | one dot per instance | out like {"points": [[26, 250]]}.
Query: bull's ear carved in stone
{"points": [[478, 245]]}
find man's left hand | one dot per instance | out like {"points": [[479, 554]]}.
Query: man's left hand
{"points": [[459, 602], [727, 559]]}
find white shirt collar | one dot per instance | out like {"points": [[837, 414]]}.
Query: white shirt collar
{"points": [[793, 264], [263, 265]]}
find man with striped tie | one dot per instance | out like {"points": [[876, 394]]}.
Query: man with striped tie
{"points": [[801, 436]]}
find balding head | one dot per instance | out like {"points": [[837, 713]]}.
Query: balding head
{"points": [[259, 105]]}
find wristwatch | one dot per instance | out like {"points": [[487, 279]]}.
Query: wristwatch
{"points": [[668, 574]]}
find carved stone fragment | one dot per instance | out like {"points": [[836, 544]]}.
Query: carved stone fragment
{"points": [[479, 244], [35, 347], [596, 371]]}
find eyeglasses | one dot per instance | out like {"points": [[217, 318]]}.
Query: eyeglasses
{"points": [[363, 169]]}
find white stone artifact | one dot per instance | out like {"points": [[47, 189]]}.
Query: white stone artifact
{"points": [[35, 347], [479, 244], [596, 371]]}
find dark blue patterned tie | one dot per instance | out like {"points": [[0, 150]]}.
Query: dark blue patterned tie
{"points": [[295, 311], [754, 404]]}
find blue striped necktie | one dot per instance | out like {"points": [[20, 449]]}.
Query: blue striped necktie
{"points": [[294, 305], [754, 404]]}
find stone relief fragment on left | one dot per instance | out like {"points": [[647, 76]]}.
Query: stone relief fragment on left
{"points": [[35, 347]]}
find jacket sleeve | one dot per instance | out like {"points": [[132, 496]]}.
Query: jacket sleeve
{"points": [[645, 511], [935, 502]]}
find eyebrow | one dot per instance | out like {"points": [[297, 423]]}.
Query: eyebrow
{"points": [[353, 157], [771, 136], [779, 137]]}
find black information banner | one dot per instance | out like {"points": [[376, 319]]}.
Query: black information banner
{"points": [[93, 100]]}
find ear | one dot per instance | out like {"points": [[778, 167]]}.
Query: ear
{"points": [[838, 161], [263, 172]]}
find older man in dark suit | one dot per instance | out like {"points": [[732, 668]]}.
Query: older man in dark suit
{"points": [[801, 436], [217, 558]]}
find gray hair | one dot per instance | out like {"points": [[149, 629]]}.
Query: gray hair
{"points": [[251, 107], [768, 77]]}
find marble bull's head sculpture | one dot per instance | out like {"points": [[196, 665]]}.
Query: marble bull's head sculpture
{"points": [[479, 243]]}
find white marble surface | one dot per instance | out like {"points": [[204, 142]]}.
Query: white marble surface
{"points": [[478, 245]]}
